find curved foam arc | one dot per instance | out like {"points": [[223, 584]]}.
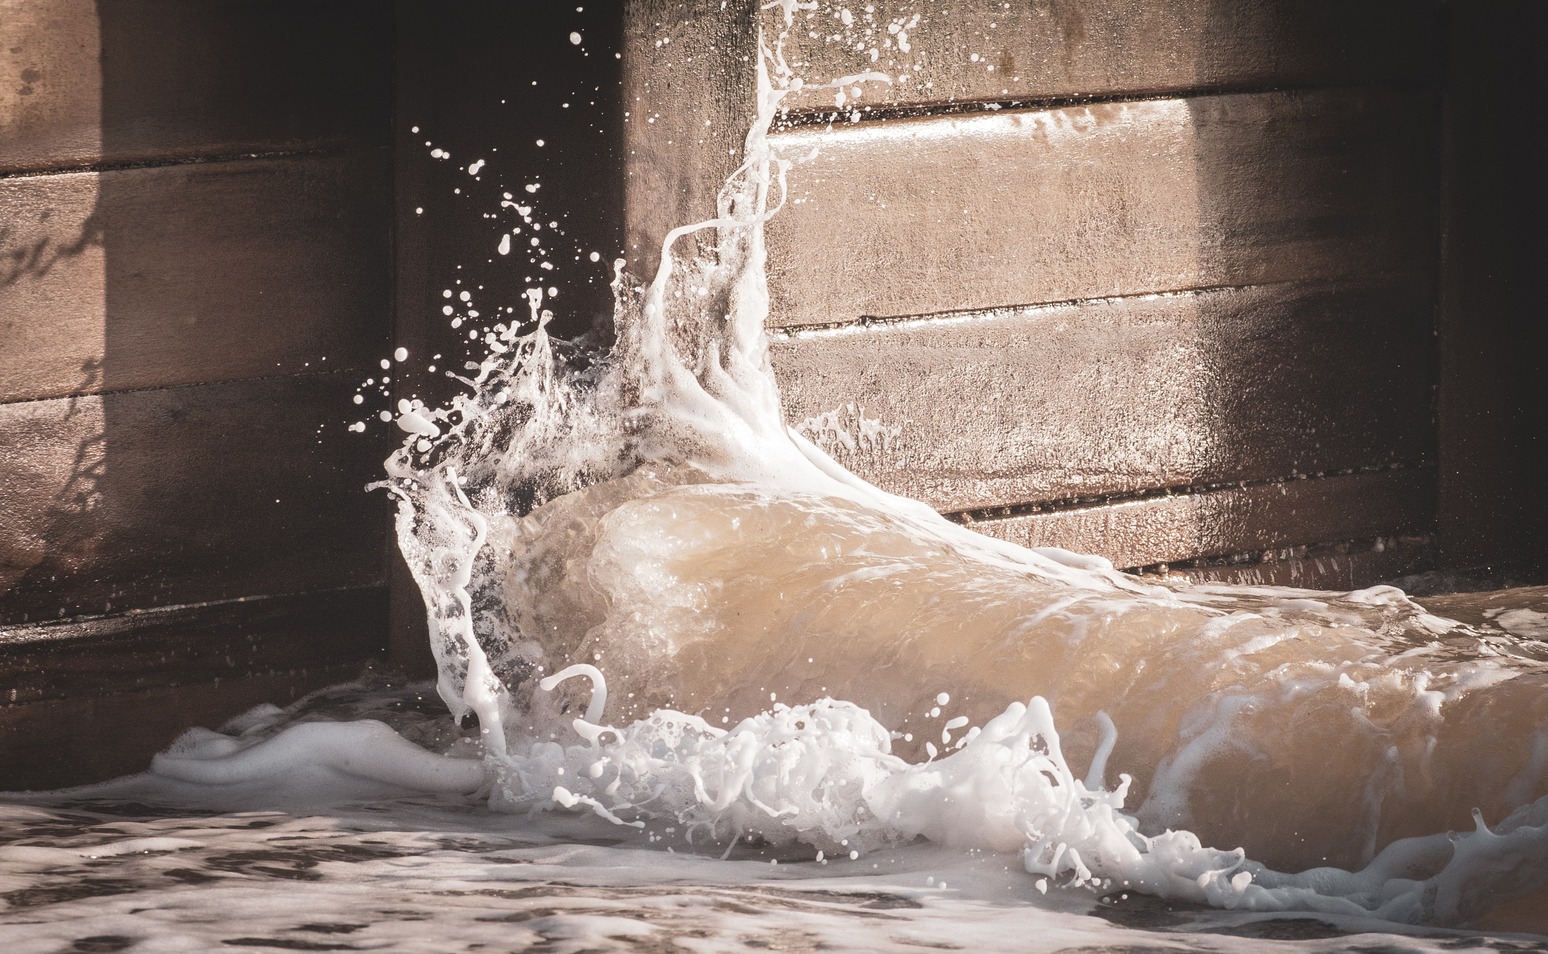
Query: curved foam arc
{"points": [[651, 516]]}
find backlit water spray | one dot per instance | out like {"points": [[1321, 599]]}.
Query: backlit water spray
{"points": [[661, 603]]}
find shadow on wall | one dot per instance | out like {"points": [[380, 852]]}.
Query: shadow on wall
{"points": [[1493, 401], [63, 502], [52, 452], [207, 228], [1323, 193]]}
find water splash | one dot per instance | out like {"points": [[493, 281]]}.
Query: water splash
{"points": [[649, 515]]}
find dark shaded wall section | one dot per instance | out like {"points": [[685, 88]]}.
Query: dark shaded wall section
{"points": [[194, 277], [1493, 415]]}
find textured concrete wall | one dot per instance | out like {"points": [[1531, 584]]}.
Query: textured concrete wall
{"points": [[1151, 280]]}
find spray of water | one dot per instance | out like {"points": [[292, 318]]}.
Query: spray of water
{"points": [[649, 515]]}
